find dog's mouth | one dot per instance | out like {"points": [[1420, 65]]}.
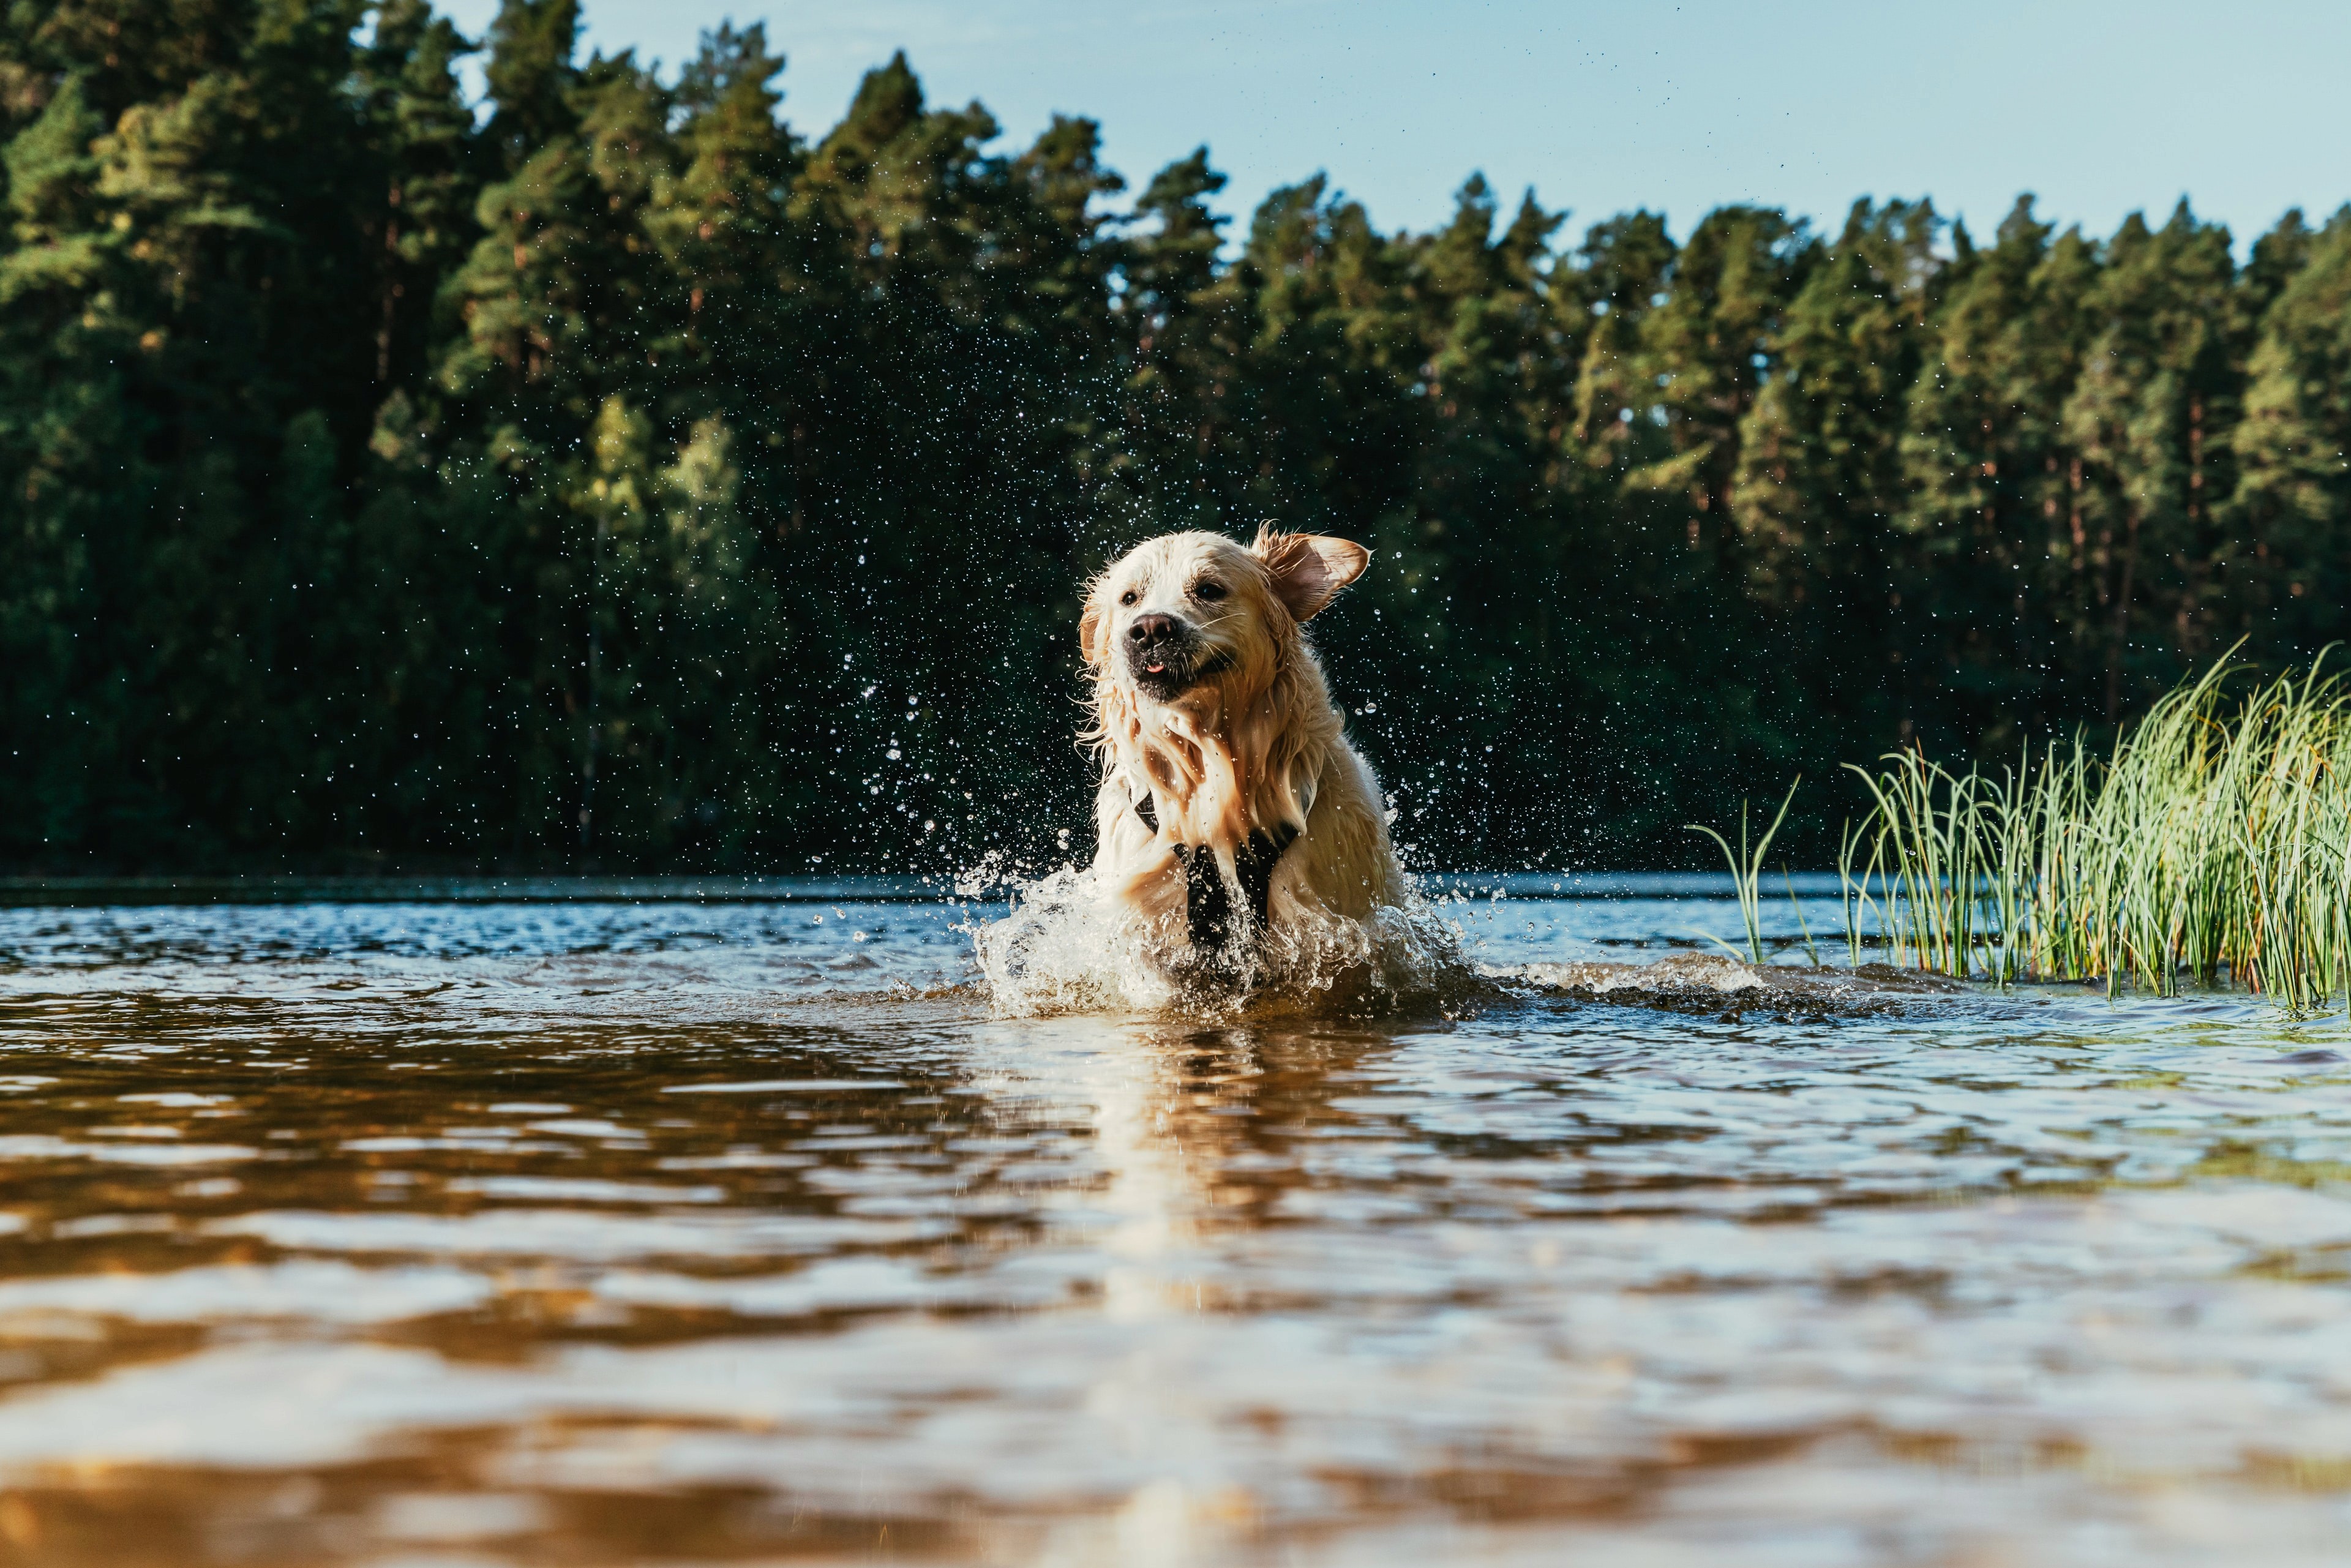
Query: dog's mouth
{"points": [[1167, 668]]}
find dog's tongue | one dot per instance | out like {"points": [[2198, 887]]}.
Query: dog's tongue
{"points": [[1157, 669]]}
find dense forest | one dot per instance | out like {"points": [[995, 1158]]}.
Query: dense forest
{"points": [[610, 473]]}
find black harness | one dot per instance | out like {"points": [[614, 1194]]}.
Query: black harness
{"points": [[1208, 902]]}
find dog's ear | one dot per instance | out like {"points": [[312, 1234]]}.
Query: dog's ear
{"points": [[1093, 633], [1309, 569]]}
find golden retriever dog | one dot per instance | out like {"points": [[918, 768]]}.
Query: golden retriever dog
{"points": [[1233, 817]]}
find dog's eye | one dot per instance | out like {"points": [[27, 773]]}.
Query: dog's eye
{"points": [[1208, 590], [1127, 597]]}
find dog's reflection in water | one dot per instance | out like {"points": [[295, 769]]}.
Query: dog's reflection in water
{"points": [[1197, 1131]]}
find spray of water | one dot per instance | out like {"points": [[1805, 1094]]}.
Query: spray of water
{"points": [[1068, 945]]}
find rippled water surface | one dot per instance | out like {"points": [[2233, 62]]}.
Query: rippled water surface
{"points": [[600, 1233]]}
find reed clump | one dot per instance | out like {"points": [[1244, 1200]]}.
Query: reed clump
{"points": [[2214, 842]]}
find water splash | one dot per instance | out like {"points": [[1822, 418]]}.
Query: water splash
{"points": [[1069, 945]]}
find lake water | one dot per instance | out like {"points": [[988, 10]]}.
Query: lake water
{"points": [[588, 1233]]}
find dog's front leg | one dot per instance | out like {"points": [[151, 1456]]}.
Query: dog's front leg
{"points": [[1209, 913], [1208, 902]]}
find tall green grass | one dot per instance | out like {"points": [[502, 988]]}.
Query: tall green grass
{"points": [[2214, 842], [1747, 871]]}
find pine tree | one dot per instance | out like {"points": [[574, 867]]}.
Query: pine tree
{"points": [[2156, 380], [1624, 266], [1819, 477], [531, 73], [63, 425], [2293, 446], [1990, 591], [1705, 350], [1178, 332], [426, 137], [724, 224]]}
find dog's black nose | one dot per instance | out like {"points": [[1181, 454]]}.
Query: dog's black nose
{"points": [[1151, 628]]}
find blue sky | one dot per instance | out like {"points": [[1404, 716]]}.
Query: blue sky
{"points": [[2100, 108]]}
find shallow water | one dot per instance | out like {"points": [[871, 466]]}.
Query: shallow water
{"points": [[595, 1233]]}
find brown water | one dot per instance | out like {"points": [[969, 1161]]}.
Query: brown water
{"points": [[603, 1233]]}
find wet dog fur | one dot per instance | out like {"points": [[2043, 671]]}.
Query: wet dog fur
{"points": [[1232, 809]]}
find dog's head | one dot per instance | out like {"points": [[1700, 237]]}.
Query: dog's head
{"points": [[1185, 611]]}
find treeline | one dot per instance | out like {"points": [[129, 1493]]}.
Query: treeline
{"points": [[611, 474]]}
